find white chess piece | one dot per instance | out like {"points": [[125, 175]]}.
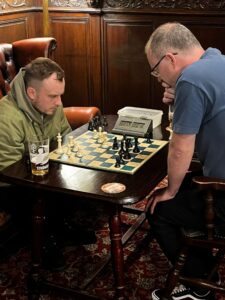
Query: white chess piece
{"points": [[59, 141]]}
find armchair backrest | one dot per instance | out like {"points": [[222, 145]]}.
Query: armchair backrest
{"points": [[18, 54]]}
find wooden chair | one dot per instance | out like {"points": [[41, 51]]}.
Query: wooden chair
{"points": [[212, 238], [18, 54]]}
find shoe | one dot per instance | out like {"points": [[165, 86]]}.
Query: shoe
{"points": [[181, 293], [53, 259]]}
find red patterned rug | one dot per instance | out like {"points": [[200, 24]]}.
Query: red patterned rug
{"points": [[145, 266]]}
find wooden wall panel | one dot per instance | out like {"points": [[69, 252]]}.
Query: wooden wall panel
{"points": [[78, 52], [125, 68], [15, 27], [127, 79]]}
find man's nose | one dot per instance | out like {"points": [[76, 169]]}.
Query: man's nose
{"points": [[58, 100]]}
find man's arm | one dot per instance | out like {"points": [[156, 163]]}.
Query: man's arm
{"points": [[180, 154]]}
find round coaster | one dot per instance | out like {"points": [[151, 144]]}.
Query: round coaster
{"points": [[113, 187]]}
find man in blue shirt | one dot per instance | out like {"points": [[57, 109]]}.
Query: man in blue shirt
{"points": [[194, 84]]}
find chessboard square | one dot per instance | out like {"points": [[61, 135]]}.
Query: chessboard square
{"points": [[141, 148], [111, 152], [145, 145], [99, 150], [84, 144], [142, 157], [90, 148], [154, 146], [145, 152], [111, 160], [89, 157], [102, 159], [106, 155], [137, 160], [94, 153], [95, 164], [106, 165], [127, 168], [84, 152], [133, 164], [76, 160]]}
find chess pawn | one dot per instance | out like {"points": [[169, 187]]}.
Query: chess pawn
{"points": [[95, 134], [70, 142], [100, 136], [79, 153], [68, 152], [75, 147], [104, 136]]}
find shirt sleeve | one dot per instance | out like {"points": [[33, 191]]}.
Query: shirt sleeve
{"points": [[190, 107]]}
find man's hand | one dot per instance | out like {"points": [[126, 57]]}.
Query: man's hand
{"points": [[158, 196], [169, 94]]}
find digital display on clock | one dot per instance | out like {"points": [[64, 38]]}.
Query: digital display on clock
{"points": [[138, 125], [125, 123], [132, 126]]}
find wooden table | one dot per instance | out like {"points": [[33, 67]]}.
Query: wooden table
{"points": [[86, 184]]}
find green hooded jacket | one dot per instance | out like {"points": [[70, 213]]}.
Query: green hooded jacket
{"points": [[19, 120]]}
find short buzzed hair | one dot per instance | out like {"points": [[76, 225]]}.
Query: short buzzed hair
{"points": [[171, 37], [40, 69]]}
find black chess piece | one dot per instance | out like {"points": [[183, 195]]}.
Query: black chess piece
{"points": [[124, 137], [104, 122], [126, 154], [90, 126], [122, 162], [128, 143], [117, 164], [95, 123], [121, 151], [148, 137], [136, 148], [115, 144]]}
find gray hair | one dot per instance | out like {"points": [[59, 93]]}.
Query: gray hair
{"points": [[173, 37]]}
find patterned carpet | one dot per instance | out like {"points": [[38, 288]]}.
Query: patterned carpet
{"points": [[145, 266]]}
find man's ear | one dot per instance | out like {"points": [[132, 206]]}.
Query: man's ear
{"points": [[31, 92]]}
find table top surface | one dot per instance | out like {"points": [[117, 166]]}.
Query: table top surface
{"points": [[87, 183]]}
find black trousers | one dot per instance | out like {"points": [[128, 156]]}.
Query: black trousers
{"points": [[185, 210]]}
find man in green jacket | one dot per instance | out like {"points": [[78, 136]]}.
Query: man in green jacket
{"points": [[32, 107]]}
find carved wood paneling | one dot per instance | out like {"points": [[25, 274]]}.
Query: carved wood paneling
{"points": [[166, 4], [76, 3], [12, 3]]}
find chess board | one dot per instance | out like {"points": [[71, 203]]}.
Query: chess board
{"points": [[100, 156]]}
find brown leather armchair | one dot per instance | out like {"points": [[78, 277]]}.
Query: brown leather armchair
{"points": [[18, 54]]}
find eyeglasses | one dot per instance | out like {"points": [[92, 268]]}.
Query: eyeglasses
{"points": [[154, 72]]}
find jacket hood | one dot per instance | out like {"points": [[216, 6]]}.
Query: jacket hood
{"points": [[19, 95]]}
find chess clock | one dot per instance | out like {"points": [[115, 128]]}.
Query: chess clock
{"points": [[133, 126]]}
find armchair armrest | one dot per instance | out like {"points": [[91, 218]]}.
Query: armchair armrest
{"points": [[80, 115]]}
